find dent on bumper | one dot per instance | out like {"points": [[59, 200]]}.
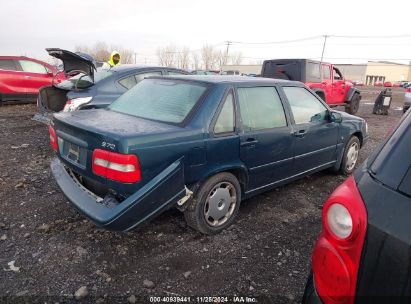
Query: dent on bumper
{"points": [[144, 204]]}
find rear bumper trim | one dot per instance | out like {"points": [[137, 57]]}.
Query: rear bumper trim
{"points": [[137, 208]]}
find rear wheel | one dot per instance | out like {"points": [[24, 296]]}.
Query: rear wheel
{"points": [[350, 157], [354, 105], [215, 205]]}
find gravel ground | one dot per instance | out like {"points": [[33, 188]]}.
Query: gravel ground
{"points": [[49, 253]]}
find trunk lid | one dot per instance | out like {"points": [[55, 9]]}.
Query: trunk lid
{"points": [[80, 133], [74, 62]]}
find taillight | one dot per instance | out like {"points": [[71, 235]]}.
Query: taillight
{"points": [[337, 253], [73, 104], [119, 167], [53, 139]]}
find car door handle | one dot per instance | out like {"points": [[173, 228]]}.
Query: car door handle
{"points": [[249, 142], [300, 133], [27, 76]]}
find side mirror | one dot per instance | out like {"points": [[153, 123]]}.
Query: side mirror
{"points": [[335, 117], [50, 73]]}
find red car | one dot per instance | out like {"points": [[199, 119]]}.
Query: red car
{"points": [[323, 78], [388, 84], [21, 77]]}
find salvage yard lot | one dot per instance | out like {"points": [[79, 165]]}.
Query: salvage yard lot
{"points": [[266, 253]]}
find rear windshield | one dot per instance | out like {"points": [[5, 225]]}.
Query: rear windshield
{"points": [[82, 80], [392, 165], [168, 101]]}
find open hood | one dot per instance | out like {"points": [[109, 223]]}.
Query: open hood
{"points": [[74, 62]]}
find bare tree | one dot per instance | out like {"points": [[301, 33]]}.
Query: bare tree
{"points": [[220, 57], [236, 58], [195, 58], [183, 58], [208, 56], [101, 52], [167, 55]]}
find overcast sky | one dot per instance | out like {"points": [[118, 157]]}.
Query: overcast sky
{"points": [[28, 27]]}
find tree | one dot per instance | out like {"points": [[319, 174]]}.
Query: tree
{"points": [[208, 56], [195, 58], [167, 55], [183, 58], [236, 58], [101, 52]]}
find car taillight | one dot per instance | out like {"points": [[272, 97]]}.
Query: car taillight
{"points": [[73, 104], [53, 139], [337, 253], [119, 167]]}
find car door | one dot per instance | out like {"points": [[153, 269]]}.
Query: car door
{"points": [[266, 141], [327, 82], [338, 87], [11, 79], [315, 135], [36, 75]]}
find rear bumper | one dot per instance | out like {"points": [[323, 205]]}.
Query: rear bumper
{"points": [[137, 208], [310, 293]]}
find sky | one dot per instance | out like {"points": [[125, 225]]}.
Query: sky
{"points": [[28, 27]]}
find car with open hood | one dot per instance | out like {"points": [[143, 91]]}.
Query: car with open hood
{"points": [[92, 87], [200, 143]]}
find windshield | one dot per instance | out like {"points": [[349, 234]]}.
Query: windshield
{"points": [[84, 81], [163, 100]]}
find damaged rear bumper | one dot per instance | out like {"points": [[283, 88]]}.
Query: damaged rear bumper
{"points": [[149, 201]]}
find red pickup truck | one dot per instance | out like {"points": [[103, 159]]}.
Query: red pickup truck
{"points": [[323, 78]]}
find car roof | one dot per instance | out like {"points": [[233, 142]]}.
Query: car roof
{"points": [[216, 79], [132, 67]]}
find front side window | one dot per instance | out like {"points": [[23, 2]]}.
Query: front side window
{"points": [[260, 108], [32, 67], [326, 72], [225, 121], [163, 100], [304, 105]]}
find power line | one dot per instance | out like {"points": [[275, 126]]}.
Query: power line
{"points": [[280, 42]]}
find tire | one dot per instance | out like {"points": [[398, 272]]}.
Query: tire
{"points": [[354, 105], [350, 157], [209, 212]]}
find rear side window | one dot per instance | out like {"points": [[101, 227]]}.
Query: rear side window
{"points": [[168, 101], [392, 165], [128, 82], [7, 65], [305, 106], [313, 72], [225, 120], [140, 77], [260, 108], [176, 73], [32, 67]]}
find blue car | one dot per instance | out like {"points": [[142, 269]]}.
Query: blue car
{"points": [[200, 143], [92, 87]]}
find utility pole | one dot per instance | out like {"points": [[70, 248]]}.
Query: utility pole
{"points": [[322, 54], [228, 43]]}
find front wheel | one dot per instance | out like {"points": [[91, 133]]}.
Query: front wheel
{"points": [[354, 105], [215, 205], [350, 157]]}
